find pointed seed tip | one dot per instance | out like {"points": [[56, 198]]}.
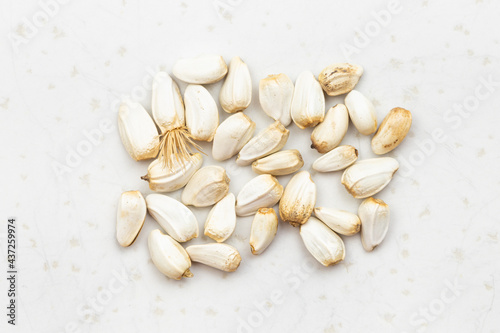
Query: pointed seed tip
{"points": [[187, 274]]}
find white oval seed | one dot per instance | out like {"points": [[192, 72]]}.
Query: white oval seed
{"points": [[331, 131], [130, 217], [374, 215], [264, 227], [361, 112]]}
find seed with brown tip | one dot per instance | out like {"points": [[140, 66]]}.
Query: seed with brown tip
{"points": [[392, 131]]}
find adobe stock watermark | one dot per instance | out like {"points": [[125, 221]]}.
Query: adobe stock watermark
{"points": [[454, 117], [85, 147], [265, 308], [31, 25], [225, 8], [93, 138], [425, 315], [373, 28], [139, 92], [94, 306]]}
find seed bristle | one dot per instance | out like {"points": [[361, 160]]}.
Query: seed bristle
{"points": [[177, 143]]}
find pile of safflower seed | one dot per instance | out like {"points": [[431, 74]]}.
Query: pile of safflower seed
{"points": [[196, 118]]}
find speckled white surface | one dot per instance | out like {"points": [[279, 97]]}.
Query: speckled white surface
{"points": [[68, 76]]}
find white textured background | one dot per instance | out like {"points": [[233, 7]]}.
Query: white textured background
{"points": [[65, 78]]}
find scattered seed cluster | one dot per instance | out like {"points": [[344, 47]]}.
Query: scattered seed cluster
{"points": [[183, 121]]}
